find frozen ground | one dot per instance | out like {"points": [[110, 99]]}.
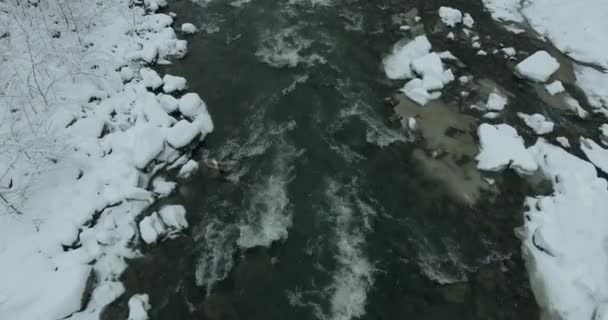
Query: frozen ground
{"points": [[81, 137]]}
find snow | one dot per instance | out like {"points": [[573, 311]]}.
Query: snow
{"points": [[450, 16], [555, 87], [502, 147], [504, 10], [496, 102], [173, 83], [174, 217], [564, 236], [414, 59], [150, 78], [397, 64], [595, 85], [415, 90], [189, 28], [537, 122], [510, 51], [182, 133], [98, 137], [584, 40], [188, 169], [563, 141], [596, 154], [151, 228], [139, 305], [604, 133], [191, 105], [538, 67], [168, 102], [468, 21], [163, 187]]}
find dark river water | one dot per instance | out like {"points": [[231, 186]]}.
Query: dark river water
{"points": [[322, 211]]}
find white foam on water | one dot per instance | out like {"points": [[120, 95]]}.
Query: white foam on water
{"points": [[378, 132], [283, 49], [442, 267], [216, 257], [269, 215], [354, 275], [255, 142]]}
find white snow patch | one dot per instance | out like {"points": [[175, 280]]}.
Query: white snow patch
{"points": [[450, 16], [162, 187], [555, 87], [563, 141], [538, 67], [397, 64], [188, 169], [537, 122], [150, 78], [139, 305], [151, 228], [596, 154], [174, 83], [189, 28], [174, 217], [595, 85], [502, 147]]}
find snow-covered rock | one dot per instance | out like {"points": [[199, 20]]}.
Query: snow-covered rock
{"points": [[468, 21], [537, 122], [596, 154], [174, 83], [163, 187], [191, 105], [168, 102], [563, 141], [188, 169], [496, 102], [397, 64], [150, 78], [189, 28], [151, 228], [450, 16], [414, 89], [538, 67], [595, 85], [502, 147], [139, 305], [555, 87], [182, 133], [174, 217]]}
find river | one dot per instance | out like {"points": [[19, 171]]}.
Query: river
{"points": [[326, 208]]}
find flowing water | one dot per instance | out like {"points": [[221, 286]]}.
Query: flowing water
{"points": [[324, 210]]}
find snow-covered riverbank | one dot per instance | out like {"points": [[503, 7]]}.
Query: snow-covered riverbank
{"points": [[85, 124], [564, 233]]}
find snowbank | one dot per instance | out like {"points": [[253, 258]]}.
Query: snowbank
{"points": [[538, 67], [80, 150], [564, 236]]}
